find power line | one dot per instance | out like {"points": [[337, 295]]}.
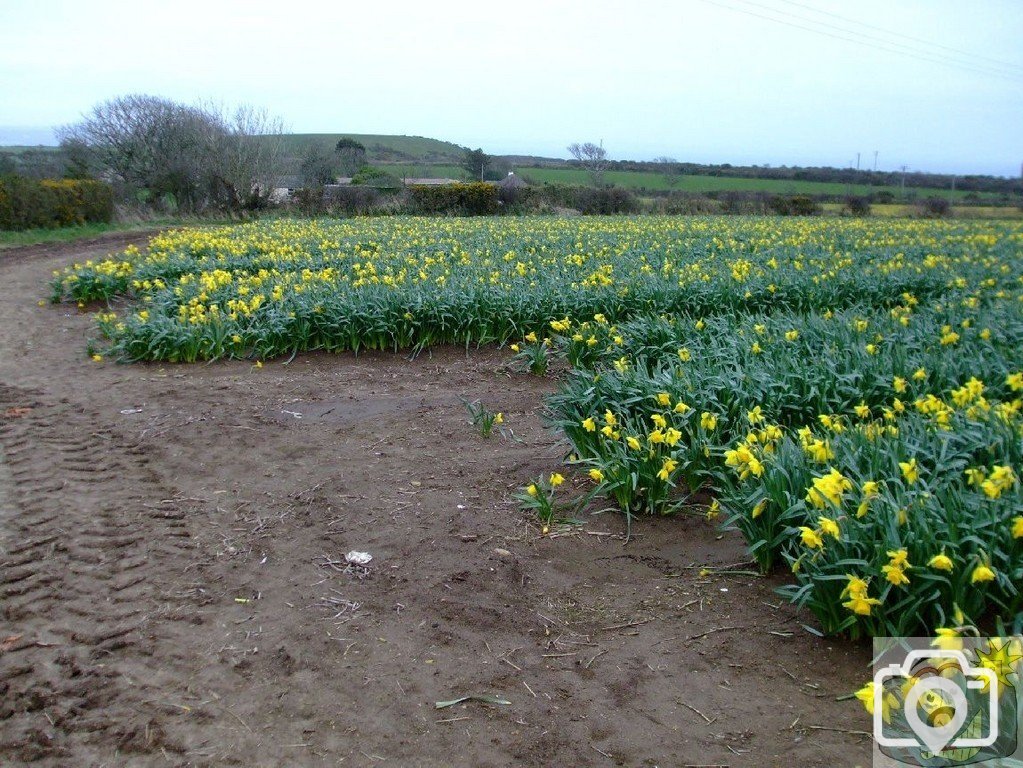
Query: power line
{"points": [[922, 57], [880, 43], [911, 49], [904, 35]]}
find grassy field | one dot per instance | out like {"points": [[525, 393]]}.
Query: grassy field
{"points": [[86, 231], [639, 180], [69, 234]]}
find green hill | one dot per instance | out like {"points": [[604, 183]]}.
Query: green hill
{"points": [[382, 149]]}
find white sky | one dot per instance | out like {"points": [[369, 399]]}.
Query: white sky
{"points": [[694, 79]]}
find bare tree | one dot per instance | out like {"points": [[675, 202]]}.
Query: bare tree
{"points": [[144, 144], [319, 165], [198, 156], [671, 170], [250, 157], [592, 157]]}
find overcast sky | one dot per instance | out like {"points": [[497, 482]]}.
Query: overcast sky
{"points": [[933, 84]]}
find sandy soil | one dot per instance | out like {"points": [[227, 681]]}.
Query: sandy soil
{"points": [[170, 594]]}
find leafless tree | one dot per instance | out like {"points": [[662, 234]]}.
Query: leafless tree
{"points": [[672, 170], [249, 157], [592, 157], [200, 156]]}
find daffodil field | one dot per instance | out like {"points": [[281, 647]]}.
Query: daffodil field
{"points": [[850, 392]]}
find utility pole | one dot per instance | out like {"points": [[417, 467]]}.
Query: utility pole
{"points": [[857, 161], [875, 160], [903, 168]]}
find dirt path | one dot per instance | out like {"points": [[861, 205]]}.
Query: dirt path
{"points": [[168, 594]]}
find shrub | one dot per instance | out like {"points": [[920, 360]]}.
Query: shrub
{"points": [[374, 177], [934, 207], [29, 204], [587, 200], [743, 203], [351, 200], [857, 206], [795, 205], [476, 199], [308, 200], [684, 204], [606, 201]]}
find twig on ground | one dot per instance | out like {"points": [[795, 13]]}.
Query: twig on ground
{"points": [[625, 626], [710, 632], [694, 709], [837, 730]]}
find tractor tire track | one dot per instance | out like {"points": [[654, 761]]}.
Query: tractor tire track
{"points": [[78, 604]]}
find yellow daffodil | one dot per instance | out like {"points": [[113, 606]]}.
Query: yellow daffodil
{"points": [[810, 538], [829, 527], [941, 562], [947, 639], [667, 468], [714, 509], [909, 471], [983, 573], [828, 490], [859, 601]]}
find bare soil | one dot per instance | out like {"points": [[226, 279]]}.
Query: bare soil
{"points": [[172, 590]]}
